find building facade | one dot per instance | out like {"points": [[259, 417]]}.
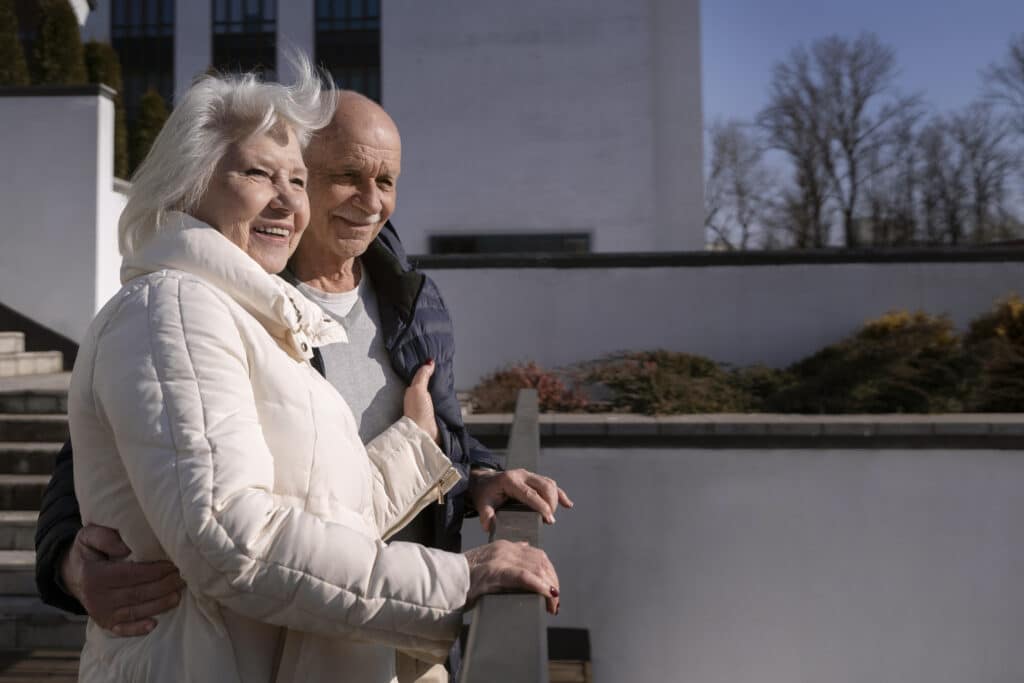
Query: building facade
{"points": [[528, 126]]}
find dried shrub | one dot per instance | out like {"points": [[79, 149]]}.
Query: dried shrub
{"points": [[497, 393], [900, 363], [995, 347], [666, 382]]}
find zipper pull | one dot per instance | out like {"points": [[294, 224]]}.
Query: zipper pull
{"points": [[440, 494]]}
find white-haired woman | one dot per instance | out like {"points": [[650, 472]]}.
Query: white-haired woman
{"points": [[205, 437]]}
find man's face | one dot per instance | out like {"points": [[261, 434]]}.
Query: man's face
{"points": [[353, 177]]}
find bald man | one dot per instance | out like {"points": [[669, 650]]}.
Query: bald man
{"points": [[351, 262]]}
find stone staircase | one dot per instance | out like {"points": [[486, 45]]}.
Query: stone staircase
{"points": [[15, 361], [33, 426]]}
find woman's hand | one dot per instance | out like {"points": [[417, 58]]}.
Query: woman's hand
{"points": [[418, 404], [503, 567]]}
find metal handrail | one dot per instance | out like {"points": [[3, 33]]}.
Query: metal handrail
{"points": [[507, 640]]}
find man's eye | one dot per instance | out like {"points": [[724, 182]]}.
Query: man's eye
{"points": [[298, 182], [386, 182]]}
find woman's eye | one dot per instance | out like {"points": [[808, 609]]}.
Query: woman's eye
{"points": [[298, 182], [257, 172]]}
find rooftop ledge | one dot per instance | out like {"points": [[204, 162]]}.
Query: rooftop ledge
{"points": [[973, 430]]}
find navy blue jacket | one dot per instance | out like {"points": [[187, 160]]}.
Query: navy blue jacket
{"points": [[416, 326]]}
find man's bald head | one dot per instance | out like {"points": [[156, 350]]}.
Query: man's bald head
{"points": [[353, 163], [356, 118]]}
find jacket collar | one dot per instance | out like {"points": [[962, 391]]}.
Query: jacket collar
{"points": [[187, 244]]}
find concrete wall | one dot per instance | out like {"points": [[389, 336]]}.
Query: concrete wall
{"points": [[736, 314], [58, 245], [785, 566], [533, 116]]}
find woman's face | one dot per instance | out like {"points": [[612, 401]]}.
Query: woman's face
{"points": [[257, 196]]}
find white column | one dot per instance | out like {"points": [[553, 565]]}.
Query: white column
{"points": [[678, 124], [97, 24], [295, 32], [193, 42]]}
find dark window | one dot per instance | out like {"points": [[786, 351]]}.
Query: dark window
{"points": [[244, 36], [348, 43], [142, 32], [511, 243]]}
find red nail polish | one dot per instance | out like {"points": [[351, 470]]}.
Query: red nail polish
{"points": [[430, 361], [554, 592]]}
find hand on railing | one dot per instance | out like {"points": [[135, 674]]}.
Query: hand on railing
{"points": [[504, 567]]}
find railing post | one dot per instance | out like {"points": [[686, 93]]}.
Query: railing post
{"points": [[507, 640]]}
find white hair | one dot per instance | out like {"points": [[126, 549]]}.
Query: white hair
{"points": [[216, 112]]}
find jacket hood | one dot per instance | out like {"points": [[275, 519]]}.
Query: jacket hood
{"points": [[187, 244]]}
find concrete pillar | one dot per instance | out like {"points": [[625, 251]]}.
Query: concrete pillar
{"points": [[295, 32], [677, 109], [193, 42], [97, 24]]}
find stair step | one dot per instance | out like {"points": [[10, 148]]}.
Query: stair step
{"points": [[12, 342], [18, 529], [22, 491], [27, 623], [24, 363], [28, 458], [18, 572], [33, 427], [34, 402]]}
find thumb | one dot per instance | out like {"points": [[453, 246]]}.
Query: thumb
{"points": [[423, 375]]}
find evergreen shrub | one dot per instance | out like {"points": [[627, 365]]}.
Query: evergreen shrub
{"points": [[13, 69], [58, 57], [994, 345], [152, 116], [103, 66]]}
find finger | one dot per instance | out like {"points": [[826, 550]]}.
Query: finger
{"points": [[134, 628], [548, 490], [487, 517], [422, 376], [104, 540], [145, 593], [129, 574], [527, 495], [133, 613], [564, 499]]}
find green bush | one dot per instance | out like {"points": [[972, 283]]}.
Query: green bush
{"points": [[103, 66], [13, 69], [58, 57], [497, 393], [665, 382], [900, 363], [152, 115], [995, 347]]}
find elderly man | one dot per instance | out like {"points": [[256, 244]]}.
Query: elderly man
{"points": [[351, 262]]}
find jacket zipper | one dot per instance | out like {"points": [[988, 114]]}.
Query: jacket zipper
{"points": [[445, 483]]}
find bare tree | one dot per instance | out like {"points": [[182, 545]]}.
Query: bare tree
{"points": [[739, 186], [794, 125], [943, 196], [981, 138], [892, 186], [1004, 82], [832, 110]]}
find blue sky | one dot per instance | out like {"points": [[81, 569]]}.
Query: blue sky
{"points": [[940, 46]]}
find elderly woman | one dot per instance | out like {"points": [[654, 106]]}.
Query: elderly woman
{"points": [[203, 434]]}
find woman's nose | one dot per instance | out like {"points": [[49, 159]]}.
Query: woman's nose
{"points": [[288, 197]]}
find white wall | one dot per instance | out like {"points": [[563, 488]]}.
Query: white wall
{"points": [[56, 241], [773, 315], [725, 566], [575, 116]]}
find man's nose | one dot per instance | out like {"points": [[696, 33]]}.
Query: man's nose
{"points": [[369, 198]]}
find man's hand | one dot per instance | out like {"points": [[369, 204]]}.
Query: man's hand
{"points": [[120, 596], [418, 405], [504, 566], [488, 489]]}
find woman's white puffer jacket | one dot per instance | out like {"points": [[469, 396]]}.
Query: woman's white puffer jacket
{"points": [[205, 437]]}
